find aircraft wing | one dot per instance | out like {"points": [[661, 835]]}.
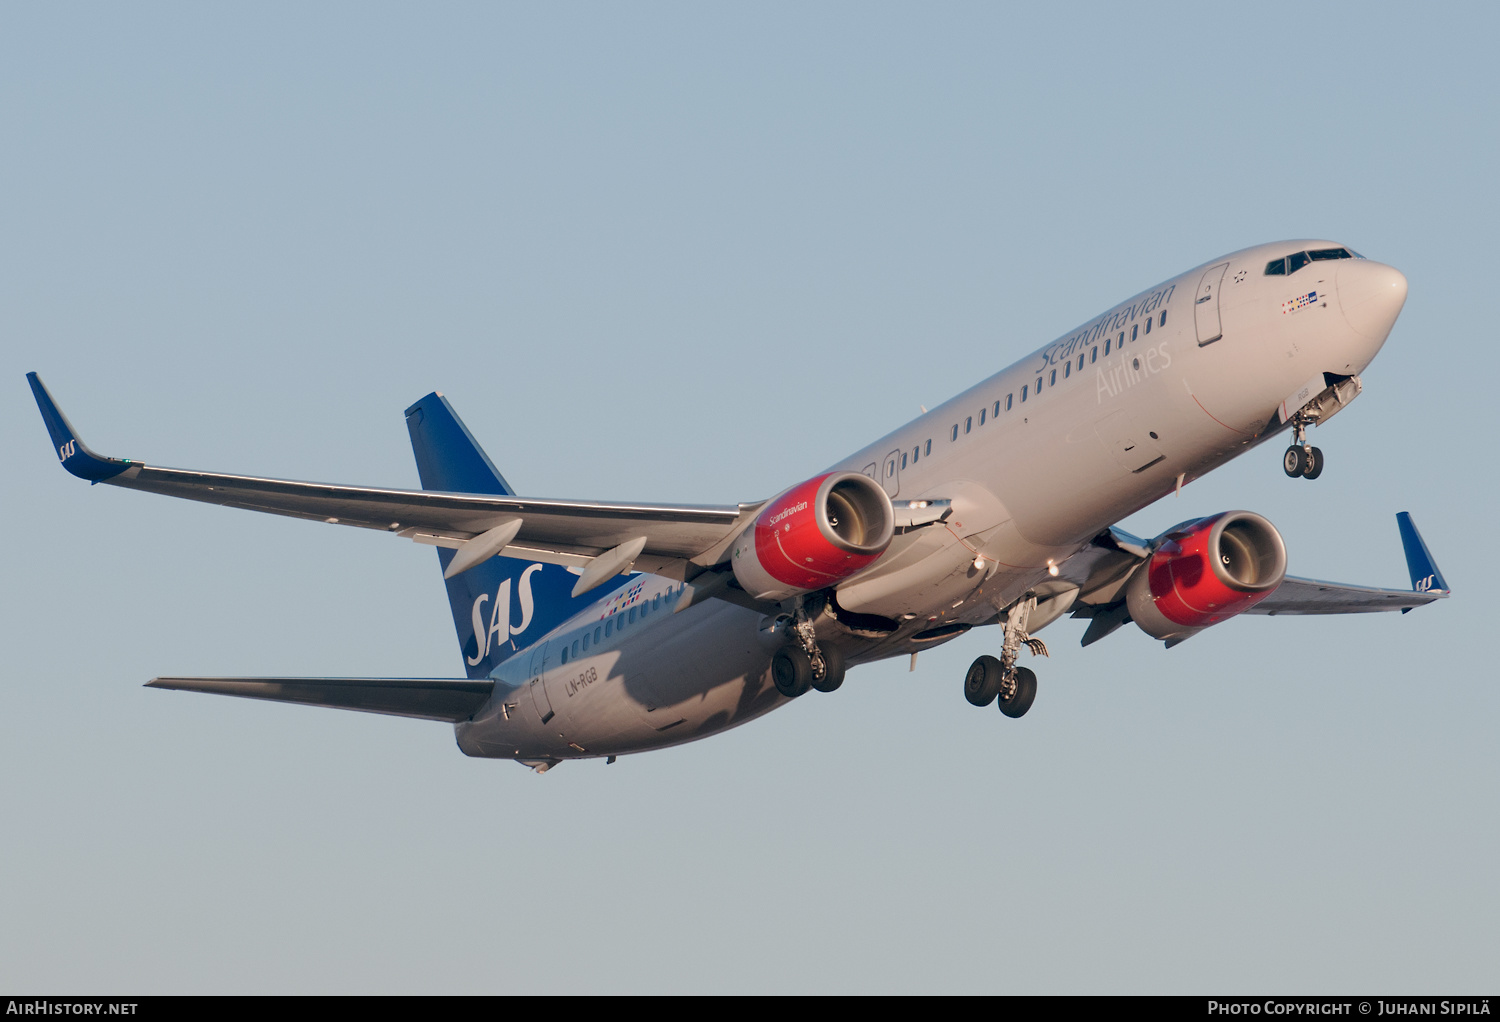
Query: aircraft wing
{"points": [[1311, 596], [679, 540], [449, 699], [1102, 569]]}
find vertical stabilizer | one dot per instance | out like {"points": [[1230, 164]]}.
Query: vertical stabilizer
{"points": [[448, 456], [501, 605]]}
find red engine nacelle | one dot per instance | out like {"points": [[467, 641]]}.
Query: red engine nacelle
{"points": [[814, 535], [1204, 572]]}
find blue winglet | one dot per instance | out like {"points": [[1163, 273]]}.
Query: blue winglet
{"points": [[76, 458], [1425, 576]]}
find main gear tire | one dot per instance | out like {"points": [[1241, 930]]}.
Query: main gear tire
{"points": [[1022, 697], [791, 671], [982, 683], [833, 668]]}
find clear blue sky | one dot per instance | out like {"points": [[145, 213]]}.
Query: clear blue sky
{"points": [[698, 252]]}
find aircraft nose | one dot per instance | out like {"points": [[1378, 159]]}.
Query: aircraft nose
{"points": [[1371, 295]]}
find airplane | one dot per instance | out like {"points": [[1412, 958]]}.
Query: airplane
{"points": [[591, 629]]}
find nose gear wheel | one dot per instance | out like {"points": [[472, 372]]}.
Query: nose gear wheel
{"points": [[1302, 459]]}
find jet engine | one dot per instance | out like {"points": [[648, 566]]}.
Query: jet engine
{"points": [[814, 535], [1205, 571]]}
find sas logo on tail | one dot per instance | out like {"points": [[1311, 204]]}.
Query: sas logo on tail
{"points": [[501, 625]]}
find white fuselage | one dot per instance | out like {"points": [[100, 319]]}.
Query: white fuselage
{"points": [[1037, 460]]}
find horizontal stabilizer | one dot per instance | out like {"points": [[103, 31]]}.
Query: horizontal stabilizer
{"points": [[450, 699]]}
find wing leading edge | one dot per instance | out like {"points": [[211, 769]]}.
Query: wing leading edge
{"points": [[680, 539]]}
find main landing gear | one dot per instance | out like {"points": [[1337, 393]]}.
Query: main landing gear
{"points": [[805, 663], [1302, 459], [990, 679]]}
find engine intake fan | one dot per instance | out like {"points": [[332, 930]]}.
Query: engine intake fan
{"points": [[813, 536], [1206, 571]]}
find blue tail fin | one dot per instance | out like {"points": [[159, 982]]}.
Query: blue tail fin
{"points": [[502, 605]]}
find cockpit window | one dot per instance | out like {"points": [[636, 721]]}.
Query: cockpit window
{"points": [[1297, 260]]}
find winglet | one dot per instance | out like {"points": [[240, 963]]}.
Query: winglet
{"points": [[1425, 576], [76, 458]]}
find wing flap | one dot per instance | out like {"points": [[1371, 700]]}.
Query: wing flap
{"points": [[447, 699]]}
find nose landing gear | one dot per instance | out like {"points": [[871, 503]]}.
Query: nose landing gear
{"points": [[990, 679], [1302, 459]]}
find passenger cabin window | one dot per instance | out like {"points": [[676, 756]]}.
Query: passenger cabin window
{"points": [[968, 423], [982, 413], [1095, 356], [997, 405], [1163, 320], [1148, 324], [565, 654], [1023, 393], [954, 435], [1007, 402], [1053, 380], [1135, 331], [927, 447], [903, 459], [1106, 345], [1068, 369], [916, 452]]}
